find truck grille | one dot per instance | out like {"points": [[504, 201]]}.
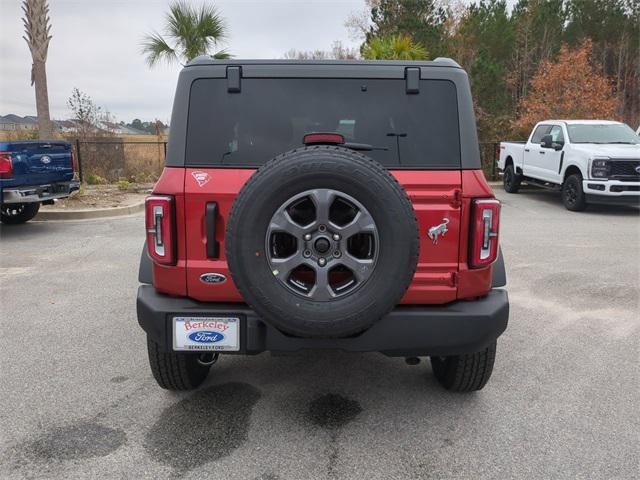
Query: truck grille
{"points": [[624, 170]]}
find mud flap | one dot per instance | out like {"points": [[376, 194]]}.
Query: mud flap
{"points": [[499, 274], [144, 271]]}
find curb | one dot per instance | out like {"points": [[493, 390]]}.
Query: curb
{"points": [[85, 214], [114, 212]]}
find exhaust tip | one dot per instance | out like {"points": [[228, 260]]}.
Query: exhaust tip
{"points": [[208, 359]]}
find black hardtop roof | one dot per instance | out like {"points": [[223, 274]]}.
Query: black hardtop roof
{"points": [[234, 70], [438, 62]]}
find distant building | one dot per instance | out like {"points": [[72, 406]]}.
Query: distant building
{"points": [[120, 129], [13, 122], [65, 126]]}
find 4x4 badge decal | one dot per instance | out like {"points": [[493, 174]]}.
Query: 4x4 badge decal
{"points": [[437, 230], [201, 177]]}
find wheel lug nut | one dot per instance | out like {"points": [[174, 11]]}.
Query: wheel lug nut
{"points": [[322, 228], [307, 236], [336, 237], [337, 253], [306, 253], [322, 262]]}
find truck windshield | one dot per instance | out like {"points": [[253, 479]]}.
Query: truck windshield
{"points": [[270, 116], [602, 133]]}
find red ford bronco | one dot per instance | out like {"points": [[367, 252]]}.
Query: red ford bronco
{"points": [[322, 205]]}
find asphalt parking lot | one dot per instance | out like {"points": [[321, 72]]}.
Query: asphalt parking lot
{"points": [[77, 399]]}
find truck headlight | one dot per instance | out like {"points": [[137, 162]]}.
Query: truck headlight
{"points": [[600, 168]]}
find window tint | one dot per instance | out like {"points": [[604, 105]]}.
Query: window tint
{"points": [[271, 116], [556, 134], [540, 132]]}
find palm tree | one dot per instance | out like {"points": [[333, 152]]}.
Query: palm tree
{"points": [[37, 29], [189, 32], [394, 47]]}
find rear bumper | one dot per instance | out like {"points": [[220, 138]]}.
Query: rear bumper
{"points": [[455, 328], [39, 193]]}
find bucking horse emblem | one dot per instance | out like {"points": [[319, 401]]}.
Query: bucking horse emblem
{"points": [[437, 230]]}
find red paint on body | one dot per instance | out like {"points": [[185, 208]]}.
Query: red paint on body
{"points": [[442, 274]]}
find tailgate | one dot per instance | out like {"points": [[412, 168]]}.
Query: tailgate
{"points": [[435, 196], [37, 163]]}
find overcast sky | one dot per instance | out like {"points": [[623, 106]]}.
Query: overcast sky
{"points": [[95, 47]]}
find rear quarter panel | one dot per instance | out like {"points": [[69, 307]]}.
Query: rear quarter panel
{"points": [[513, 150]]}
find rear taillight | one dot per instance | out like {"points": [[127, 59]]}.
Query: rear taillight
{"points": [[6, 165], [160, 223], [484, 232]]}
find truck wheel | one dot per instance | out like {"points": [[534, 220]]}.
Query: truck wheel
{"points": [[572, 194], [465, 373], [178, 370], [322, 242], [510, 180], [16, 213]]}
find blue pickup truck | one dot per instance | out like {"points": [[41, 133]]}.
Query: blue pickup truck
{"points": [[34, 173]]}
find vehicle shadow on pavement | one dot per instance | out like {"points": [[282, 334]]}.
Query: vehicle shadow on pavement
{"points": [[552, 199]]}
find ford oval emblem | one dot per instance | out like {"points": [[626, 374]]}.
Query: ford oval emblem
{"points": [[206, 337], [638, 169], [45, 159], [213, 278]]}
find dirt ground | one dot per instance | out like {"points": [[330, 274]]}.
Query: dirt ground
{"points": [[101, 196]]}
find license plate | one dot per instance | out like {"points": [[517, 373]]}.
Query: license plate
{"points": [[206, 333]]}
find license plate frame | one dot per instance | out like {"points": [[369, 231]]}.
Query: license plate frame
{"points": [[202, 334]]}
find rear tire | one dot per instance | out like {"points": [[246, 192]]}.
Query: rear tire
{"points": [[465, 373], [17, 213], [510, 180], [176, 370], [573, 196]]}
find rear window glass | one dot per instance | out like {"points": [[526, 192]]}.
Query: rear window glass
{"points": [[271, 116]]}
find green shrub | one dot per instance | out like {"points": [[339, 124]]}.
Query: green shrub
{"points": [[96, 180], [142, 177], [124, 184]]}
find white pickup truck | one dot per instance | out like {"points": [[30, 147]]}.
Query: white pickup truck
{"points": [[589, 161]]}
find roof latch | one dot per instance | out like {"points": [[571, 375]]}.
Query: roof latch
{"points": [[233, 79], [412, 77]]}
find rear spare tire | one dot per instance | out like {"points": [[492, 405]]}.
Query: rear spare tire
{"points": [[322, 242]]}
